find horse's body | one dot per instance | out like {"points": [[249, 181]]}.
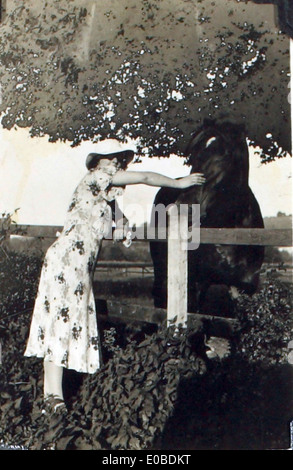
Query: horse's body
{"points": [[219, 152]]}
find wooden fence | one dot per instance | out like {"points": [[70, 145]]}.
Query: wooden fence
{"points": [[177, 260], [222, 236]]}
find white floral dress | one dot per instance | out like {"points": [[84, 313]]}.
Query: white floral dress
{"points": [[64, 325]]}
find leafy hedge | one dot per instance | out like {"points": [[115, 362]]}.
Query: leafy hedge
{"points": [[157, 387], [125, 405], [19, 276], [137, 389], [267, 323]]}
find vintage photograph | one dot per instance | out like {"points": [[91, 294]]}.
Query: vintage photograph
{"points": [[146, 226]]}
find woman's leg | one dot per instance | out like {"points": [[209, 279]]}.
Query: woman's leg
{"points": [[53, 376]]}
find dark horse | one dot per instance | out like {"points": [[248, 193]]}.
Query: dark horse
{"points": [[220, 152]]}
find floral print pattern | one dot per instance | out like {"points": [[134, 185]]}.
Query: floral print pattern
{"points": [[64, 325]]}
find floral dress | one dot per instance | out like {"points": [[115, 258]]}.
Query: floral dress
{"points": [[64, 325]]}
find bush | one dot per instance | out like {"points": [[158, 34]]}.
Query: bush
{"points": [[19, 276], [266, 323], [157, 387], [136, 391], [125, 405]]}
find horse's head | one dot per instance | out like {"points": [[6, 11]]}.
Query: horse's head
{"points": [[219, 149]]}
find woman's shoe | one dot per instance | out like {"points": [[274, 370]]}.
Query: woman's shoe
{"points": [[54, 405]]}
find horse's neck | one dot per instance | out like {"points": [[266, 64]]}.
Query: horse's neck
{"points": [[220, 174], [214, 175]]}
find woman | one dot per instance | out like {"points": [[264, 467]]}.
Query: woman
{"points": [[64, 328]]}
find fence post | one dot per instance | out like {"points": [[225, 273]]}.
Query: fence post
{"points": [[177, 267]]}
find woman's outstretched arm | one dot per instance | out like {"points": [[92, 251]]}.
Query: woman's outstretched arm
{"points": [[122, 178]]}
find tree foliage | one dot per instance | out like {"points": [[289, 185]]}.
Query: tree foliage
{"points": [[79, 70]]}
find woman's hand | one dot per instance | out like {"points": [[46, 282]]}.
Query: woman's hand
{"points": [[118, 234], [191, 180], [121, 231]]}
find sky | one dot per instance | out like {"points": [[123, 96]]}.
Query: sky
{"points": [[39, 177]]}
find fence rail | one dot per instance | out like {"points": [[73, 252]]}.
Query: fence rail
{"points": [[177, 252], [222, 236]]}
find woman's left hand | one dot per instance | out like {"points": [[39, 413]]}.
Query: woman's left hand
{"points": [[118, 234], [191, 180]]}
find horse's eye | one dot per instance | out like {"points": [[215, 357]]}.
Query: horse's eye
{"points": [[210, 141]]}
